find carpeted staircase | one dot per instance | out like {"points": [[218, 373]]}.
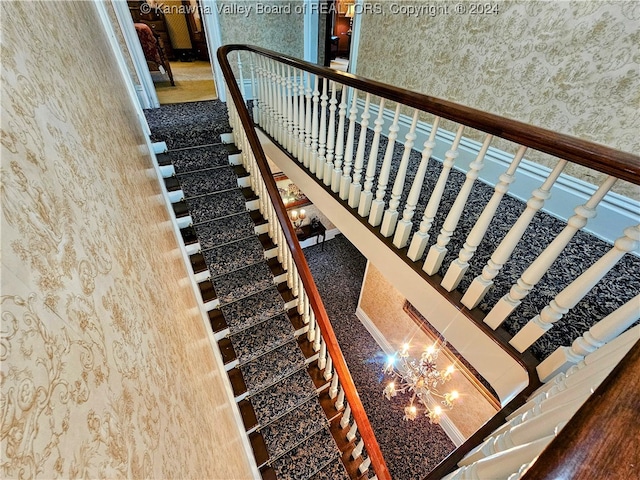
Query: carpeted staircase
{"points": [[253, 314]]}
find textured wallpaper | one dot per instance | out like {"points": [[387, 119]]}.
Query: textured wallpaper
{"points": [[106, 368], [569, 66]]}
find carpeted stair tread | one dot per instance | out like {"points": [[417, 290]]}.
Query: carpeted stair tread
{"points": [[308, 458], [284, 396], [199, 158], [252, 310], [272, 367], [334, 471], [183, 125], [294, 427], [243, 283], [224, 230], [207, 181], [233, 256], [262, 338], [215, 205]]}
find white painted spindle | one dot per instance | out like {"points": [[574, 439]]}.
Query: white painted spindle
{"points": [[355, 188], [458, 267], [307, 125], [313, 158], [346, 417], [403, 230], [438, 251], [575, 291], [339, 154], [481, 284], [421, 237], [322, 140], [302, 122], [357, 451], [390, 217], [345, 180], [377, 206], [539, 267], [366, 197], [331, 135]]}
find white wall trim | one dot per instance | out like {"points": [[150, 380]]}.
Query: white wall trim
{"points": [[615, 212], [355, 36], [211, 24], [148, 96], [445, 422], [311, 18]]}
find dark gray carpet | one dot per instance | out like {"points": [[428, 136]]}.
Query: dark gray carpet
{"points": [[411, 449]]}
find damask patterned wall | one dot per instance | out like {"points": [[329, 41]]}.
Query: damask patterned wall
{"points": [[570, 66], [106, 368]]}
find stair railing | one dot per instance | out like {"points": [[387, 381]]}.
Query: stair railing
{"points": [[287, 93], [312, 112], [342, 389]]}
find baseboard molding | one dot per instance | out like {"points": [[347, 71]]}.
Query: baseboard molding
{"points": [[615, 212], [445, 422]]}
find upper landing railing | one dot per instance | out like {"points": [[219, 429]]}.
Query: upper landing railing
{"points": [[315, 114]]}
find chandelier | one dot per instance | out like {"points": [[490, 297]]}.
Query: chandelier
{"points": [[422, 379]]}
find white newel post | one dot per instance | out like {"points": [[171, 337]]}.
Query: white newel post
{"points": [[575, 291], [322, 141], [377, 206], [458, 267], [539, 267], [403, 230], [602, 332], [421, 237], [337, 166], [364, 205], [355, 188], [345, 180], [390, 217], [313, 158], [331, 136], [481, 284], [438, 251]]}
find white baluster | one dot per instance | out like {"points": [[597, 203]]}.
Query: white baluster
{"points": [[337, 166], [539, 267], [307, 125], [345, 180], [281, 100], [322, 356], [328, 370], [331, 136], [267, 86], [481, 284], [575, 291], [364, 466], [339, 403], [602, 332], [301, 119], [357, 451], [292, 115], [322, 141], [355, 188], [313, 158], [317, 343], [403, 230], [311, 333], [333, 389], [458, 267], [377, 206], [346, 417], [241, 79], [254, 89], [351, 434], [421, 237], [391, 214], [438, 251], [364, 205]]}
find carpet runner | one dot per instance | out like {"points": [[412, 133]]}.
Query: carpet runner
{"points": [[273, 367]]}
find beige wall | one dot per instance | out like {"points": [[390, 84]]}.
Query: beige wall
{"points": [[567, 66], [107, 371], [383, 305]]}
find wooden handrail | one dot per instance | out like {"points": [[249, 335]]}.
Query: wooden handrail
{"points": [[351, 393], [622, 165], [601, 439]]}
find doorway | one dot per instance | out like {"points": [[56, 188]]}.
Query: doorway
{"points": [[339, 34], [174, 44]]}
